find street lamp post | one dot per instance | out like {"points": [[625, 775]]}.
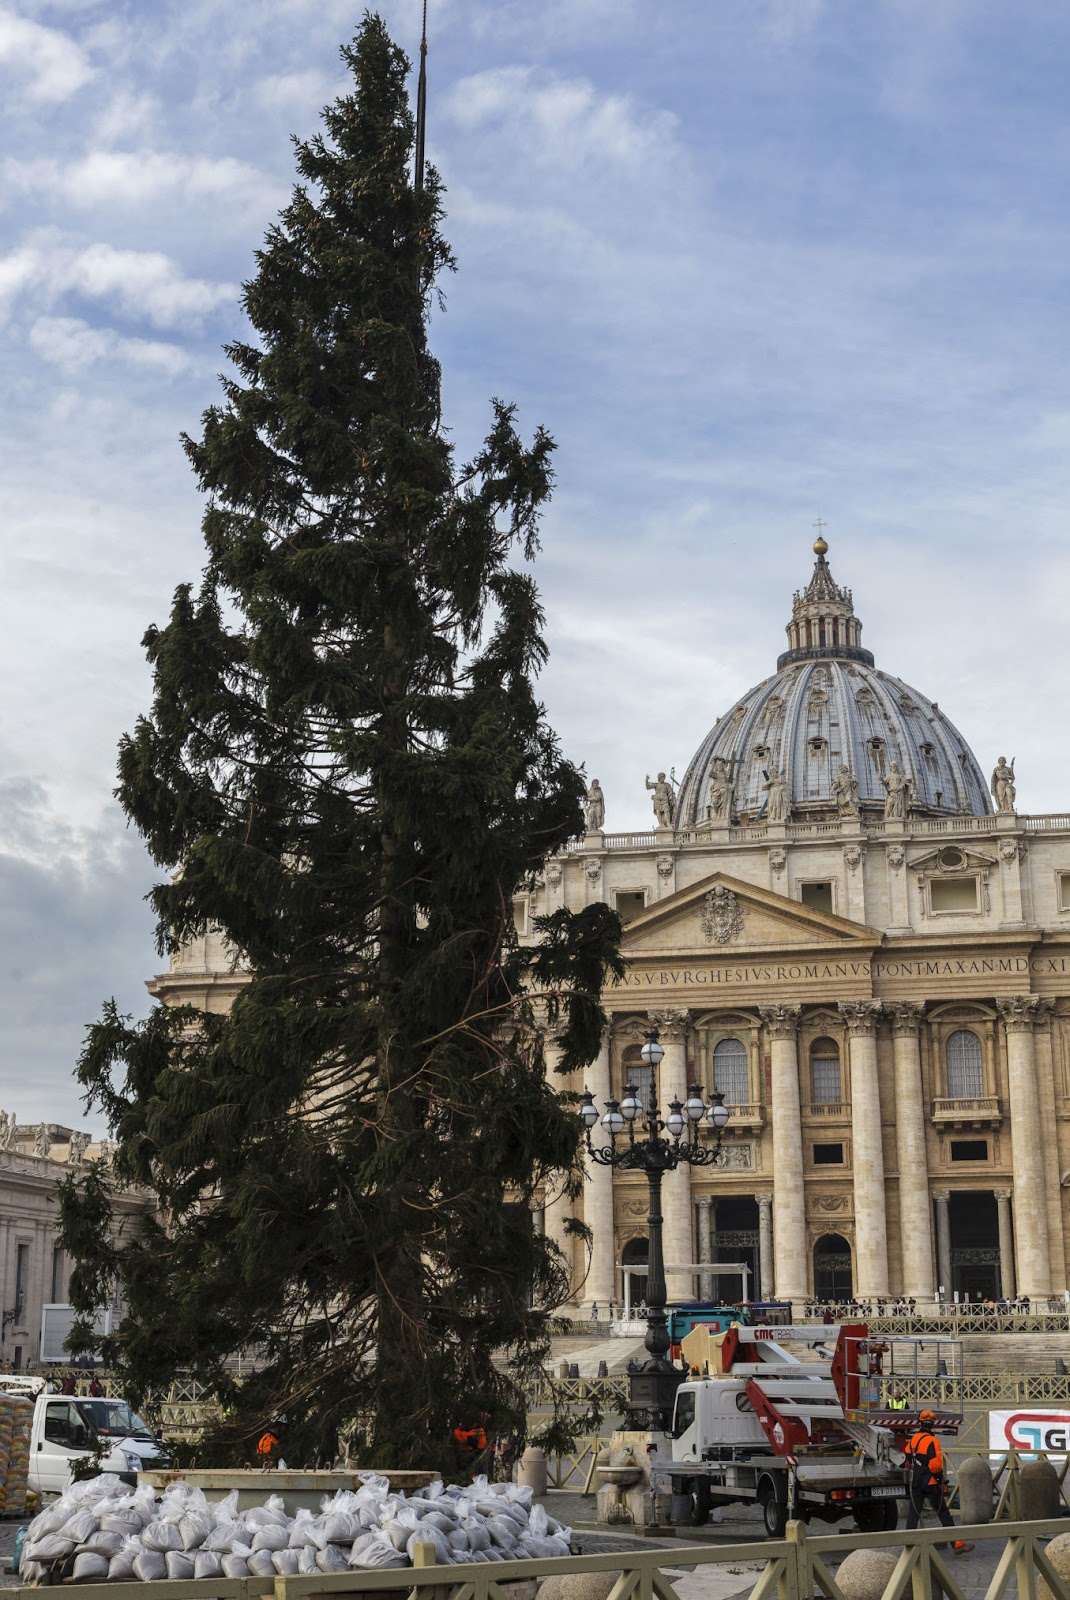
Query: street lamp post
{"points": [[655, 1381]]}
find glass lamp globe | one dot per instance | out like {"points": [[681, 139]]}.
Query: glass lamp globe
{"points": [[674, 1122], [588, 1109], [630, 1106], [651, 1054], [613, 1122], [695, 1106], [718, 1113]]}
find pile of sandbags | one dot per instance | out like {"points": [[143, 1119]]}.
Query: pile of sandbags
{"points": [[16, 1417], [102, 1530]]}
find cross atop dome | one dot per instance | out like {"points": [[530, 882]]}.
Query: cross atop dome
{"points": [[823, 621]]}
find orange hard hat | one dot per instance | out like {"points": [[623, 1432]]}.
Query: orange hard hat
{"points": [[926, 1416]]}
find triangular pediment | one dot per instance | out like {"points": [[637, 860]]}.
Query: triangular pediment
{"points": [[721, 915]]}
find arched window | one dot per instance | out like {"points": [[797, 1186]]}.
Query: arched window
{"points": [[965, 1075], [825, 1072], [730, 1071]]}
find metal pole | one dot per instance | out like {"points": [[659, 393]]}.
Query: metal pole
{"points": [[657, 1327]]}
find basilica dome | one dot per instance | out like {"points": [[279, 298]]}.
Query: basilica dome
{"points": [[828, 708]]}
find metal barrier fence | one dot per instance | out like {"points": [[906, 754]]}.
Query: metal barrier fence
{"points": [[983, 1388], [574, 1471]]}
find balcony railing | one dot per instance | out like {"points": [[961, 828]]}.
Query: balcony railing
{"points": [[982, 1112], [741, 1117], [758, 832], [827, 1111]]}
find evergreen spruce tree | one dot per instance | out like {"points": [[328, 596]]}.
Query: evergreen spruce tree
{"points": [[347, 772]]}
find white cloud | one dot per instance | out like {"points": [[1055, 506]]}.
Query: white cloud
{"points": [[69, 343], [566, 120], [135, 179], [49, 63], [137, 283]]}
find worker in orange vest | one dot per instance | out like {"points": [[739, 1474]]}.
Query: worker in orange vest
{"points": [[924, 1463], [268, 1446]]}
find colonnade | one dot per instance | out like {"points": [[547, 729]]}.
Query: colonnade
{"points": [[784, 1242]]}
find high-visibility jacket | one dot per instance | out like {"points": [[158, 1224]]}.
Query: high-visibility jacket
{"points": [[923, 1453], [471, 1438], [899, 1404], [267, 1443]]}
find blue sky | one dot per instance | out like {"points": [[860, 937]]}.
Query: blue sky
{"points": [[749, 261]]}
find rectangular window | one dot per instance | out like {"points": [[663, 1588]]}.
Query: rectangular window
{"points": [[825, 1072], [828, 1155], [1064, 891], [629, 903], [59, 1269], [641, 1077], [22, 1273], [969, 1149], [520, 916], [817, 895], [953, 894]]}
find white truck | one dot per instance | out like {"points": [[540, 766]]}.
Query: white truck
{"points": [[819, 1438], [71, 1428]]}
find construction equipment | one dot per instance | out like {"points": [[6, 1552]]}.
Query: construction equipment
{"points": [[819, 1434]]}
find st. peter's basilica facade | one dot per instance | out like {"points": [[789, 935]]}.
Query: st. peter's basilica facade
{"points": [[842, 923]]}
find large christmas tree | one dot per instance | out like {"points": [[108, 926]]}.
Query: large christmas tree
{"points": [[347, 771]]}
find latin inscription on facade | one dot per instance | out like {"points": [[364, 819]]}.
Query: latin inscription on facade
{"points": [[819, 971]]}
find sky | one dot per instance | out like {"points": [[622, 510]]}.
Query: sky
{"points": [[750, 261]]}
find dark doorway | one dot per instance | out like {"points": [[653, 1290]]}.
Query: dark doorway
{"points": [[974, 1226], [833, 1279], [633, 1261], [735, 1238]]}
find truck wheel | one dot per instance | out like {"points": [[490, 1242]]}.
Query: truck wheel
{"points": [[700, 1504], [774, 1512], [870, 1518], [891, 1515]]}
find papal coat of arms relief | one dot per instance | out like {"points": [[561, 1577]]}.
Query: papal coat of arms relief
{"points": [[722, 916]]}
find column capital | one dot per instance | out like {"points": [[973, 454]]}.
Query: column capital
{"points": [[904, 1015], [861, 1016], [1002, 1194], [671, 1021], [941, 1196], [765, 1201], [781, 1020], [1021, 1011], [704, 1201]]}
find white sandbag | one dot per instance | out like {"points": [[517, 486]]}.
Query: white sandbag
{"points": [[50, 1520], [207, 1564], [377, 1554], [272, 1514], [558, 1545], [235, 1566], [458, 1539], [124, 1523], [332, 1558], [121, 1566], [179, 1565], [53, 1547], [260, 1564], [341, 1527], [301, 1529], [162, 1536], [397, 1534], [538, 1522], [478, 1537], [435, 1519], [194, 1528], [225, 1510], [429, 1536], [306, 1558], [223, 1537], [104, 1543], [89, 1566], [271, 1537], [285, 1562], [80, 1526], [503, 1531], [149, 1565]]}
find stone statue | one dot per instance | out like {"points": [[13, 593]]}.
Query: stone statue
{"points": [[663, 801], [776, 788], [897, 797], [42, 1143], [3, 1130], [845, 793], [1003, 790], [595, 808], [722, 791], [11, 1132], [76, 1149]]}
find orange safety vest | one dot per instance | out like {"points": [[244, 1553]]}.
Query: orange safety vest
{"points": [[923, 1450], [266, 1443], [471, 1438]]}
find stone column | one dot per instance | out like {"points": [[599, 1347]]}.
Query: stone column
{"points": [[765, 1246], [943, 1242], [601, 1281], [672, 1026], [867, 1156], [915, 1211], [557, 1206], [705, 1240], [1030, 1204], [789, 1215], [1006, 1244]]}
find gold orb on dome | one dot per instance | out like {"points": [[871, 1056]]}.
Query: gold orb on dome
{"points": [[820, 547]]}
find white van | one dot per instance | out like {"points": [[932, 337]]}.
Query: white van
{"points": [[68, 1428]]}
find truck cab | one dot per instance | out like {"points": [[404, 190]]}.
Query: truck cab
{"points": [[712, 1418]]}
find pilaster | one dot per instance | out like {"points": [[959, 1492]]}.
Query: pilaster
{"points": [[765, 1245], [673, 1025], [705, 1205], [871, 1231], [915, 1211], [1019, 1013], [781, 1023], [600, 1286], [1006, 1244]]}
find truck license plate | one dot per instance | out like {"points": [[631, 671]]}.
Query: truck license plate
{"points": [[885, 1494]]}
